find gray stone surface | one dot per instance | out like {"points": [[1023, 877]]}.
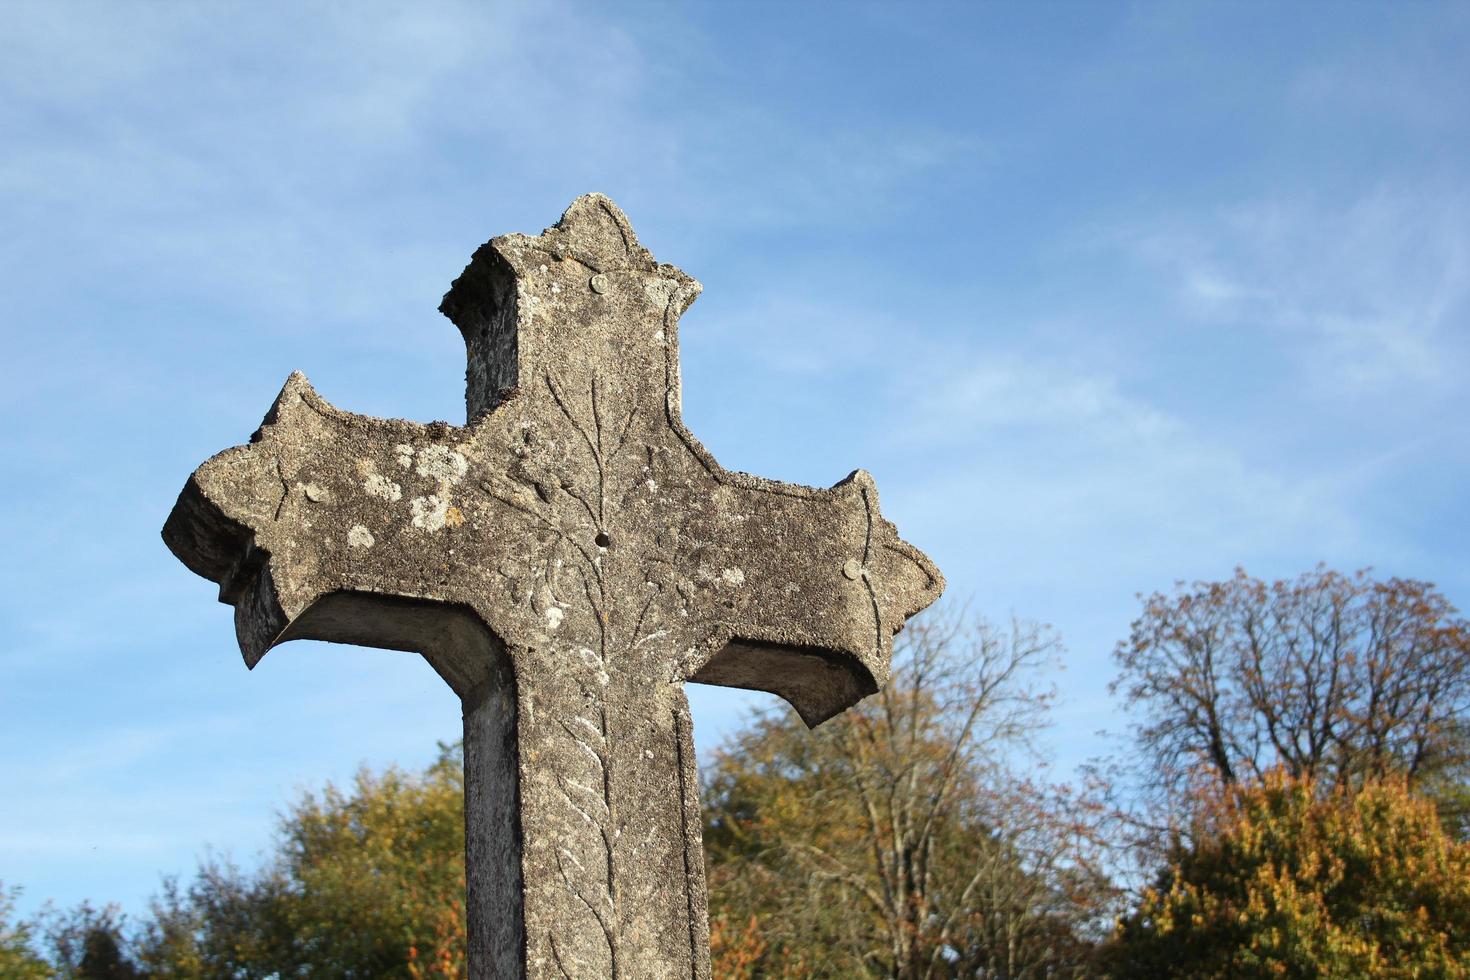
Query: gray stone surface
{"points": [[566, 561]]}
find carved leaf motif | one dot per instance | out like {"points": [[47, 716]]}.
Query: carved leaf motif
{"points": [[593, 438]]}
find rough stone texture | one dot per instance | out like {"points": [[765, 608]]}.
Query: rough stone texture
{"points": [[566, 561]]}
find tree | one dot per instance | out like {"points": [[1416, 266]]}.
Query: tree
{"points": [[893, 840], [1331, 677], [104, 958], [88, 943], [367, 883], [1294, 880], [18, 959]]}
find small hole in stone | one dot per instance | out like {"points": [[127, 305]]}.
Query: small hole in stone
{"points": [[602, 539]]}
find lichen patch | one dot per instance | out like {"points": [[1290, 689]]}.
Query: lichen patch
{"points": [[359, 537], [383, 488], [733, 577], [429, 513], [442, 463]]}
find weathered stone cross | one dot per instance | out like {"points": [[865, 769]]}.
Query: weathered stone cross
{"points": [[566, 561]]}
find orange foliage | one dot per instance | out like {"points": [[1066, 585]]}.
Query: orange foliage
{"points": [[1293, 879]]}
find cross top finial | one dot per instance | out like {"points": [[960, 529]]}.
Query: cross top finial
{"points": [[592, 249]]}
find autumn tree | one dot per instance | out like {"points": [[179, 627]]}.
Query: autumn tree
{"points": [[894, 840], [1291, 879], [363, 883], [86, 943], [1336, 678], [18, 956]]}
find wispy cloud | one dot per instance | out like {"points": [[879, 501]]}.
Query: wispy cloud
{"points": [[1400, 83], [1369, 292], [1075, 462], [250, 183], [991, 390]]}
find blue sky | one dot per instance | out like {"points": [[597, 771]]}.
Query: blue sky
{"points": [[1104, 296]]}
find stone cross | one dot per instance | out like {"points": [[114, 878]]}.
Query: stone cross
{"points": [[565, 561]]}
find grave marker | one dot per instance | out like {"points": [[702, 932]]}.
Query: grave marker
{"points": [[565, 561]]}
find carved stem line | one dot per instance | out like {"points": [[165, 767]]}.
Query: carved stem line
{"points": [[573, 253], [597, 753], [523, 509], [680, 735], [642, 614], [572, 492], [285, 489], [611, 216], [597, 615], [607, 930], [556, 396], [867, 576], [556, 958], [623, 436], [598, 459], [566, 786]]}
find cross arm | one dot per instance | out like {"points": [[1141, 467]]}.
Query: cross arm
{"points": [[811, 587], [336, 526]]}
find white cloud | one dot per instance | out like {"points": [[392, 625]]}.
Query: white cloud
{"points": [[1004, 390], [1369, 294], [1398, 83], [1057, 461], [287, 164], [134, 152]]}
